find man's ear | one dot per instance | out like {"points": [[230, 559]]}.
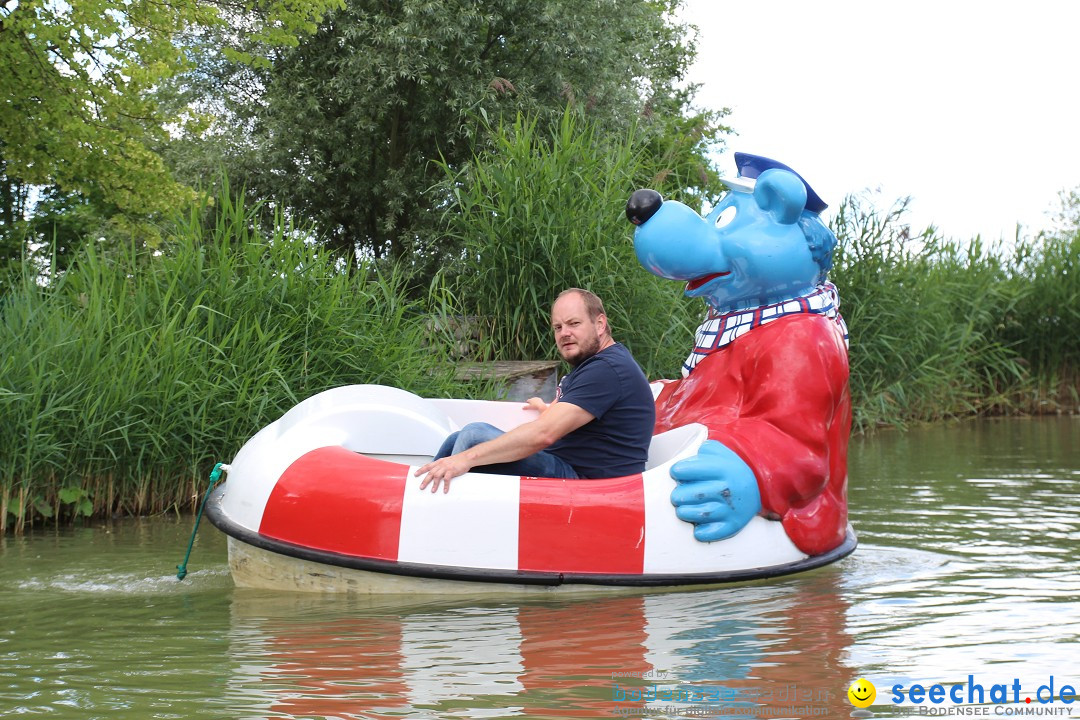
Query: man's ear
{"points": [[606, 329]]}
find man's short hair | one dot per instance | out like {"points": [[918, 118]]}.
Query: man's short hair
{"points": [[593, 304]]}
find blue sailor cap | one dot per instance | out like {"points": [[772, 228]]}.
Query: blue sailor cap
{"points": [[750, 166]]}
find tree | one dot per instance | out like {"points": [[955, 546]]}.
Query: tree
{"points": [[14, 197], [77, 74], [356, 117]]}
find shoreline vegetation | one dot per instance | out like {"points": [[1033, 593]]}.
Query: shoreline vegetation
{"points": [[125, 377], [412, 184]]}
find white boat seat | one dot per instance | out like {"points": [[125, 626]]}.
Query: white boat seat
{"points": [[393, 424], [675, 444], [368, 419]]}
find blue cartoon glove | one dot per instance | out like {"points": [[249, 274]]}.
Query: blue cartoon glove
{"points": [[717, 492]]}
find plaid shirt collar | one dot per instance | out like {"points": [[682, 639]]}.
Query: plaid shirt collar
{"points": [[720, 330]]}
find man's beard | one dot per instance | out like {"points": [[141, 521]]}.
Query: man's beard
{"points": [[585, 350]]}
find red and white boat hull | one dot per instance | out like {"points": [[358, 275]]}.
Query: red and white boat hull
{"points": [[326, 499]]}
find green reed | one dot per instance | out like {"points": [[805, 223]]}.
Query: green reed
{"points": [[542, 211], [124, 380], [942, 328], [1045, 326]]}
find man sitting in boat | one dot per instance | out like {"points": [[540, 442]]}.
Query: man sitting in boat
{"points": [[599, 425]]}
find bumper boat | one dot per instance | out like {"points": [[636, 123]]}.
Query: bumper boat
{"points": [[324, 499]]}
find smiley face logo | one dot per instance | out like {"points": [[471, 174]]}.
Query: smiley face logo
{"points": [[862, 693]]}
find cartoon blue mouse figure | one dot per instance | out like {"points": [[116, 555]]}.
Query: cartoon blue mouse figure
{"points": [[768, 370]]}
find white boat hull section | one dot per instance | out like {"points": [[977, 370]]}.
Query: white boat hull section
{"points": [[378, 421], [478, 534]]}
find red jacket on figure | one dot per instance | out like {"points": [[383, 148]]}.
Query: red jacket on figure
{"points": [[778, 396]]}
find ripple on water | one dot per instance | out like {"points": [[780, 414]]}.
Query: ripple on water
{"points": [[127, 583]]}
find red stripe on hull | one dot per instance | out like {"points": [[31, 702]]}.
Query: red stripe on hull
{"points": [[333, 499], [586, 526]]}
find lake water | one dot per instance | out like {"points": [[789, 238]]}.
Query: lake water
{"points": [[965, 574]]}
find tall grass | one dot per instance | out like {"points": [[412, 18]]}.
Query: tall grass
{"points": [[126, 379], [542, 211], [941, 328], [1045, 326]]}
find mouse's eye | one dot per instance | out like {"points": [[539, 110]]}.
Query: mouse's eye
{"points": [[726, 216]]}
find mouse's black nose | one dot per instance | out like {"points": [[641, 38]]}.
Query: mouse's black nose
{"points": [[642, 205]]}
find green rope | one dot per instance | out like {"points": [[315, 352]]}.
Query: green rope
{"points": [[215, 475]]}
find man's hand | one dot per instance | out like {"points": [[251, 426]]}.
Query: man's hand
{"points": [[442, 471], [535, 403]]}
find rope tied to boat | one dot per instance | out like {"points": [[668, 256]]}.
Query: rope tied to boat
{"points": [[215, 475]]}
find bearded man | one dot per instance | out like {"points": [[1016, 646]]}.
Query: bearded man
{"points": [[599, 425]]}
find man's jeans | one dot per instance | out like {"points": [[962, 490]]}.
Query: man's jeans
{"points": [[541, 464]]}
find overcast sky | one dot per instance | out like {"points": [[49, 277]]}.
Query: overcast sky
{"points": [[971, 108]]}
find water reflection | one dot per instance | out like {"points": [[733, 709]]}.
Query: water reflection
{"points": [[759, 645], [993, 507]]}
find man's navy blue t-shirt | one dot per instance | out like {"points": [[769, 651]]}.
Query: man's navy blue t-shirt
{"points": [[612, 388]]}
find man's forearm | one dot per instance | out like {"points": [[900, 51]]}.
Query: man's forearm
{"points": [[521, 442], [524, 440]]}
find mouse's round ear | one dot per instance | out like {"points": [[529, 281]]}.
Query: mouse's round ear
{"points": [[781, 194]]}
